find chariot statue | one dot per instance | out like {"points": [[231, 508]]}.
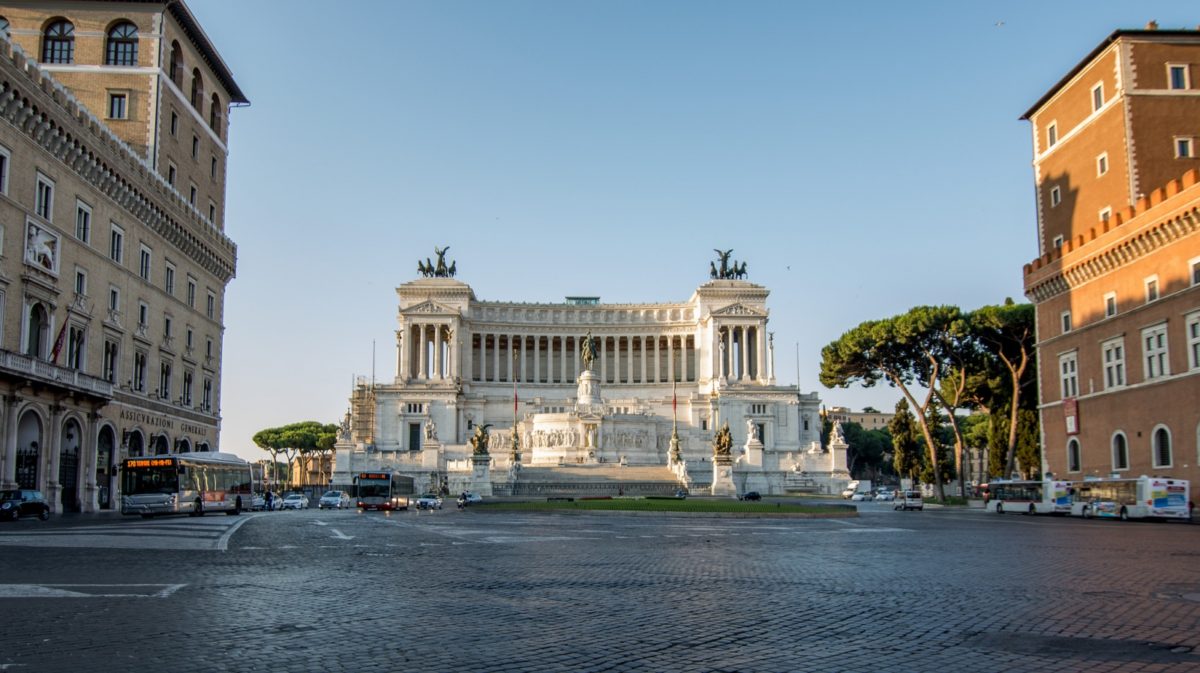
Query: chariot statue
{"points": [[723, 442], [439, 269], [479, 441]]}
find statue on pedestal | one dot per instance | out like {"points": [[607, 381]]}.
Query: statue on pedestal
{"points": [[751, 430], [479, 441], [588, 350], [723, 442]]}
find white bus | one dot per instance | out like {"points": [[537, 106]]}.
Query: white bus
{"points": [[194, 483], [1048, 496], [1133, 498]]}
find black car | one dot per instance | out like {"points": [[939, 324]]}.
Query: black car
{"points": [[23, 504], [751, 495]]}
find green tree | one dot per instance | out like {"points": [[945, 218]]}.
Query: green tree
{"points": [[943, 438], [906, 441], [1006, 334], [304, 438], [867, 448], [910, 351]]}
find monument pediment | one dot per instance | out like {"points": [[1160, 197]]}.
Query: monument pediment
{"points": [[739, 310], [428, 307]]}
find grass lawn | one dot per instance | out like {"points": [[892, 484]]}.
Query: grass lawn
{"points": [[695, 505]]}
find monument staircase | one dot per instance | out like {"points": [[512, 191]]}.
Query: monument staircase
{"points": [[607, 479]]}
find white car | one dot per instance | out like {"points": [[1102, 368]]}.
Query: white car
{"points": [[295, 501], [334, 500], [885, 496], [429, 501], [860, 497], [472, 498]]}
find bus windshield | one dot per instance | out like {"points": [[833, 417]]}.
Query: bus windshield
{"points": [[374, 488], [146, 480]]}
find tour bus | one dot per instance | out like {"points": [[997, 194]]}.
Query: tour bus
{"points": [[194, 483], [1132, 498], [1048, 496], [382, 490]]}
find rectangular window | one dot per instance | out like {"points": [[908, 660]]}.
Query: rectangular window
{"points": [[1106, 214], [212, 212], [1183, 148], [192, 195], [139, 371], [83, 221], [211, 308], [116, 244], [208, 348], [117, 108], [1154, 343], [1066, 321], [190, 337], [1052, 134], [167, 326], [191, 292], [44, 198], [169, 280], [187, 388], [1055, 196], [143, 314], [1097, 96], [1114, 363], [1058, 241], [1110, 304], [1193, 340], [1194, 265], [1068, 375], [81, 282], [195, 147], [1151, 289], [114, 299], [171, 174], [144, 263], [174, 123], [109, 371], [1102, 164], [206, 403], [5, 162], [164, 380], [212, 168], [1177, 76]]}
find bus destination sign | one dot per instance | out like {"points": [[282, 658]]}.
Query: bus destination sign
{"points": [[150, 462]]}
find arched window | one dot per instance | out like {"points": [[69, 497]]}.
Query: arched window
{"points": [[197, 90], [1073, 455], [39, 327], [177, 64], [122, 45], [1160, 443], [214, 114], [1120, 451], [58, 42]]}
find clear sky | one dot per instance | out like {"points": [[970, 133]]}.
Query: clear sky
{"points": [[861, 157]]}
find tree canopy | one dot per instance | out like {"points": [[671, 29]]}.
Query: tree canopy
{"points": [[303, 438]]}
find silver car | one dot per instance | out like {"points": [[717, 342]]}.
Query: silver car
{"points": [[334, 500], [295, 501]]}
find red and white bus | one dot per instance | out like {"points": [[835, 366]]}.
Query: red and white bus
{"points": [[382, 491], [192, 483]]}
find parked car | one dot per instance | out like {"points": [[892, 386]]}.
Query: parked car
{"points": [[472, 498], [909, 500], [429, 501], [860, 497], [295, 501], [751, 495], [276, 502], [23, 504], [334, 500], [885, 496], [258, 502]]}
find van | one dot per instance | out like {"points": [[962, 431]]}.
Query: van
{"points": [[909, 500]]}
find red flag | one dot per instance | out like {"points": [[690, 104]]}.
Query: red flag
{"points": [[674, 400], [58, 343]]}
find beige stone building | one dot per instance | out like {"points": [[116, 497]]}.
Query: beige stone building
{"points": [[113, 260], [1117, 282]]}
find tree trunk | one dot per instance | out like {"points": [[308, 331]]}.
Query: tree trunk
{"points": [[924, 423]]}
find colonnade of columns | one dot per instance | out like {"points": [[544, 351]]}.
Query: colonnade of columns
{"points": [[744, 352], [557, 358], [426, 352]]}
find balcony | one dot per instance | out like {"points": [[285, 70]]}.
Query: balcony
{"points": [[39, 372]]}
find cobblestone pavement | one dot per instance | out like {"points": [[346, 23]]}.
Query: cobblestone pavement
{"points": [[947, 590]]}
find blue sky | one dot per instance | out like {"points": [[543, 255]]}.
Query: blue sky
{"points": [[862, 158]]}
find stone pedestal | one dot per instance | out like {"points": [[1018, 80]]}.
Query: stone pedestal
{"points": [[481, 478], [722, 479], [749, 468], [588, 392], [431, 455]]}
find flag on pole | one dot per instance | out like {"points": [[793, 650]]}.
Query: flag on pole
{"points": [[674, 400], [58, 343]]}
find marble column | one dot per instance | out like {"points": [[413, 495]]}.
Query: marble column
{"points": [[483, 356], [657, 360], [617, 359], [524, 359], [729, 353], [760, 349], [53, 435], [745, 353], [89, 444], [496, 356], [670, 357], [8, 477], [603, 359], [575, 363], [401, 370], [422, 359], [438, 372], [562, 359], [537, 358], [629, 346]]}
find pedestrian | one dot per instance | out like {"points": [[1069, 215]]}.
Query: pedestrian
{"points": [[270, 501]]}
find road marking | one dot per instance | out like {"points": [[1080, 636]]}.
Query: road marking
{"points": [[319, 522], [340, 535], [223, 542], [88, 590]]}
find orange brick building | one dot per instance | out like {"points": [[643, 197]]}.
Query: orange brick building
{"points": [[1117, 282]]}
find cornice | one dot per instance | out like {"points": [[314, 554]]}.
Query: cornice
{"points": [[36, 104]]}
